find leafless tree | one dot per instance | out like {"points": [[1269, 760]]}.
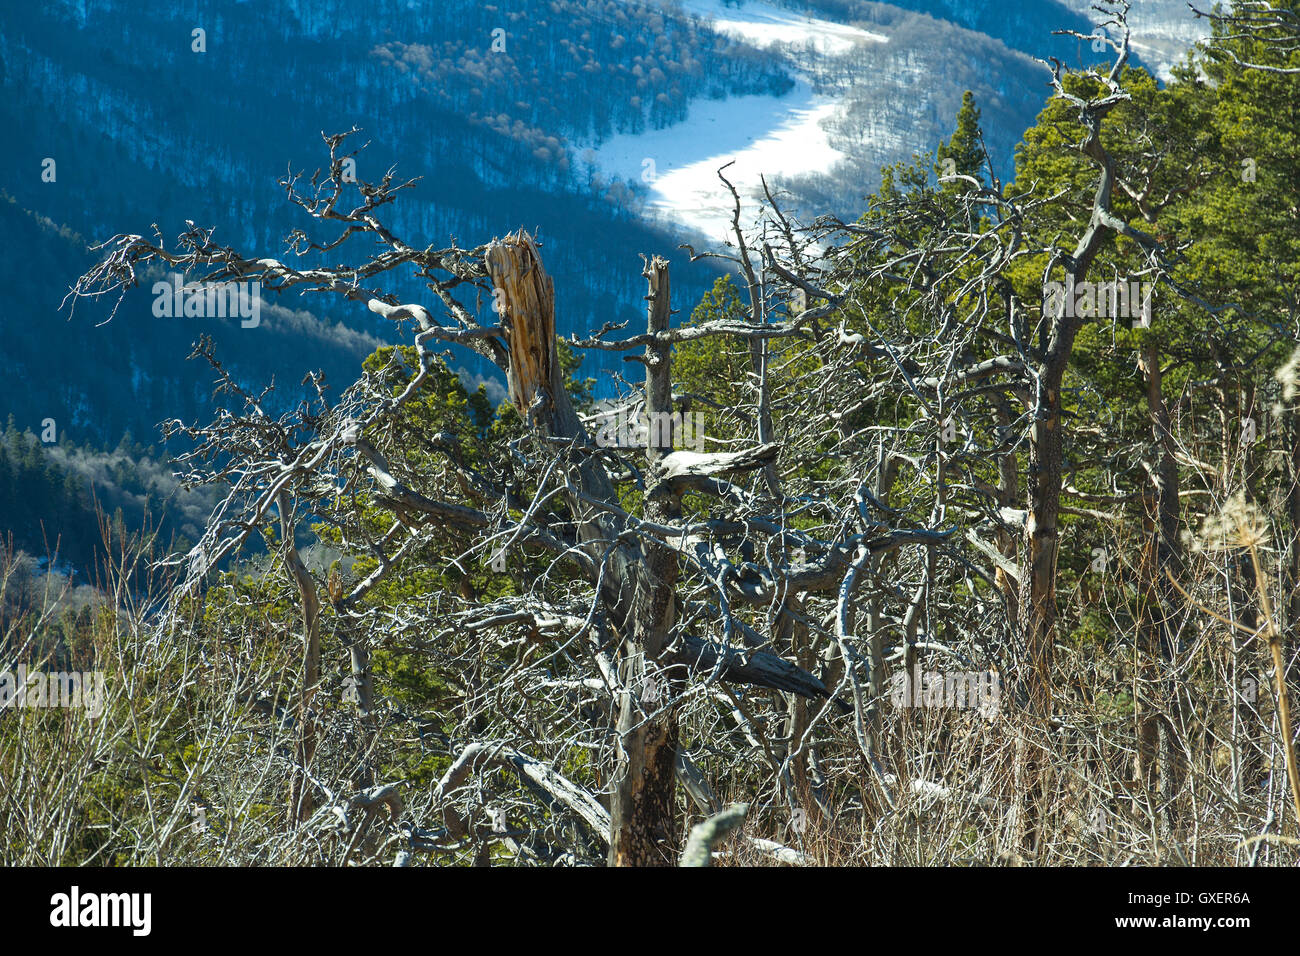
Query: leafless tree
{"points": [[660, 616]]}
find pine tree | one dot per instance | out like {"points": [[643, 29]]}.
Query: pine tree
{"points": [[964, 148]]}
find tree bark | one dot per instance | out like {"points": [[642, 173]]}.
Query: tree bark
{"points": [[643, 804], [300, 798], [1158, 706]]}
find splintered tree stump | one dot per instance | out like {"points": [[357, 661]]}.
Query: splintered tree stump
{"points": [[524, 298]]}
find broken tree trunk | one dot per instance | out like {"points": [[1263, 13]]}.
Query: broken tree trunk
{"points": [[643, 803], [300, 795]]}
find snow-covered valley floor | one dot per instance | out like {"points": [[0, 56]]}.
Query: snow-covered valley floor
{"points": [[764, 135], [678, 166]]}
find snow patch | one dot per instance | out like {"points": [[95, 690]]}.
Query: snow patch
{"points": [[762, 25], [765, 136]]}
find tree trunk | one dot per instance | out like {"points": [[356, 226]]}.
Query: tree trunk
{"points": [[1158, 704], [1038, 584], [643, 804], [300, 799], [1008, 497]]}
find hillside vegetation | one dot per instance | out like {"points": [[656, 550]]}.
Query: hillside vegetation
{"points": [[965, 531]]}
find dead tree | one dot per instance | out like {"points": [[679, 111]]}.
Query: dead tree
{"points": [[634, 576]]}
